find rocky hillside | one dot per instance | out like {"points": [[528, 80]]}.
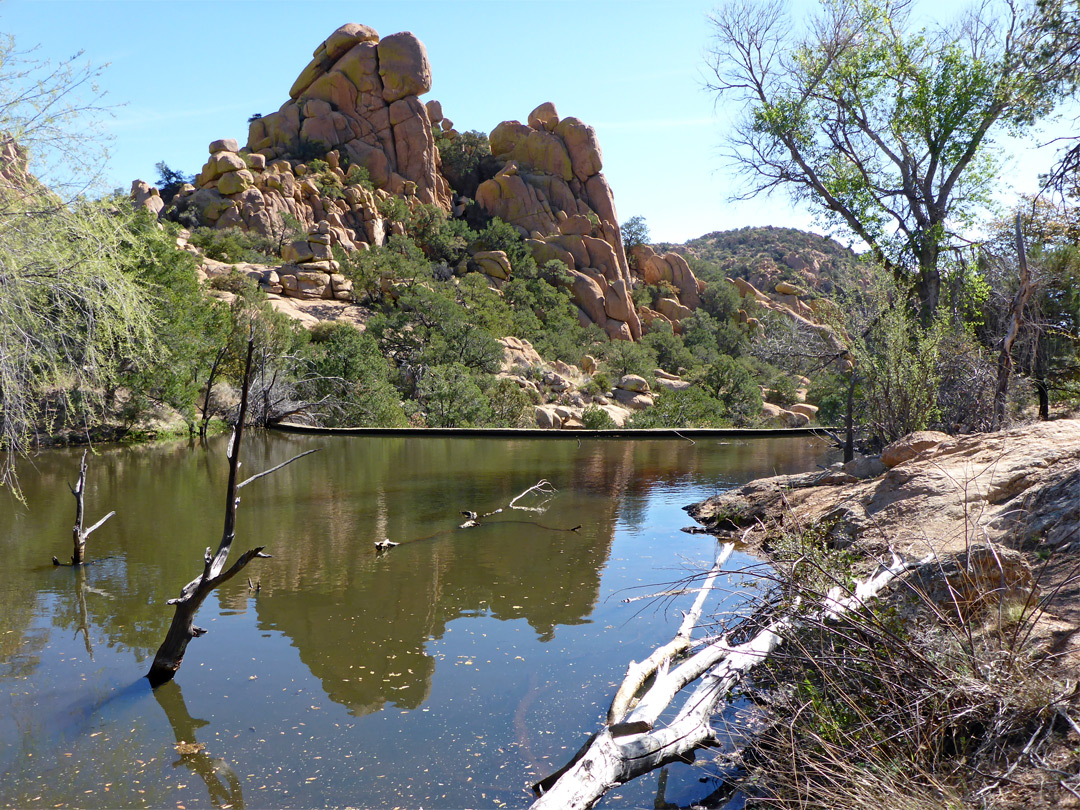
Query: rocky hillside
{"points": [[765, 256], [354, 134]]}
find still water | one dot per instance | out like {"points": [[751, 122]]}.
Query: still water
{"points": [[452, 671]]}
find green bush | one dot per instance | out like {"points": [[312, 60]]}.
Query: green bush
{"points": [[730, 382], [233, 245], [596, 418], [692, 407], [358, 175]]}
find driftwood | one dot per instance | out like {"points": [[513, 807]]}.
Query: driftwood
{"points": [[78, 533], [170, 654], [473, 519], [631, 745]]}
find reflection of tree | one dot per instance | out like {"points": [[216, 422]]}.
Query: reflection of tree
{"points": [[218, 775]]}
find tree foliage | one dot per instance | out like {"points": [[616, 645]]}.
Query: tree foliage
{"points": [[886, 129]]}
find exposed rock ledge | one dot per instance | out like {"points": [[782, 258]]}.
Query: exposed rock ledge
{"points": [[1018, 490]]}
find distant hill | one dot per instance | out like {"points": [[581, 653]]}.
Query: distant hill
{"points": [[763, 256]]}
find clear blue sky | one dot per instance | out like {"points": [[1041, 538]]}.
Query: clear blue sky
{"points": [[190, 72]]}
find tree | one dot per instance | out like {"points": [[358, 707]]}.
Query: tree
{"points": [[635, 231], [887, 130], [70, 309]]}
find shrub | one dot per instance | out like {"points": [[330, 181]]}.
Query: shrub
{"points": [[233, 245], [730, 382], [596, 418], [358, 175], [675, 409]]}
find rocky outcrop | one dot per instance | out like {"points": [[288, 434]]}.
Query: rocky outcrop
{"points": [[799, 313], [355, 104], [550, 186], [1020, 488], [672, 272]]}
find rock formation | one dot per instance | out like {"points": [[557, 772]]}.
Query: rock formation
{"points": [[671, 272], [356, 104], [550, 186]]}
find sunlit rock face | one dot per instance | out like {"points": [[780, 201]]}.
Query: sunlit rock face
{"points": [[357, 104], [550, 186]]}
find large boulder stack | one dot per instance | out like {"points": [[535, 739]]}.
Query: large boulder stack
{"points": [[359, 95], [355, 104], [551, 188]]}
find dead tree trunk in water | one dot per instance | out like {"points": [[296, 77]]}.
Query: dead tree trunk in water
{"points": [[170, 654], [78, 534]]}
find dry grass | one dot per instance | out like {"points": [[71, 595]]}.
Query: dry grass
{"points": [[913, 703]]}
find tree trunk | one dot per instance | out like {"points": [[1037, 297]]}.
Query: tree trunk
{"points": [[171, 653], [631, 745], [1042, 390], [78, 534], [1016, 321], [849, 420]]}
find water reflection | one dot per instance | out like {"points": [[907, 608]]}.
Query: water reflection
{"points": [[336, 634], [222, 783]]}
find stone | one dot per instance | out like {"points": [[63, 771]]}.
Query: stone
{"points": [[963, 584], [546, 417], [235, 182], [806, 408], [911, 446], [784, 417], [633, 400], [865, 467], [344, 38], [434, 111], [403, 66], [297, 252], [544, 117], [633, 382], [519, 352], [224, 145], [582, 145], [144, 195], [672, 309], [784, 288], [494, 263], [588, 364]]}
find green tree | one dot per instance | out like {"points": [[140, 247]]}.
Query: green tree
{"points": [[675, 409], [731, 383], [71, 309], [885, 129], [451, 398], [635, 231]]}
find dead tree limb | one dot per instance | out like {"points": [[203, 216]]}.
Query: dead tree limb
{"points": [[544, 487], [170, 654], [631, 745], [78, 534]]}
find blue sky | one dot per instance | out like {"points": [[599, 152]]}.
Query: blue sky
{"points": [[186, 73]]}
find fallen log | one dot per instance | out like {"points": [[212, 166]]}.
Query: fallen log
{"points": [[78, 534], [630, 745], [170, 654]]}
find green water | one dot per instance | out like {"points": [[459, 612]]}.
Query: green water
{"points": [[453, 671]]}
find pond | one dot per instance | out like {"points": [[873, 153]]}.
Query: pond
{"points": [[451, 671]]}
